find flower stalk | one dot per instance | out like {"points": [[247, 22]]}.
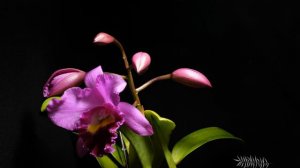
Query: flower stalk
{"points": [[130, 78], [150, 82]]}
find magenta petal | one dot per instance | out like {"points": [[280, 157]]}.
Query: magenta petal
{"points": [[109, 86], [114, 83], [67, 111], [135, 120], [91, 76]]}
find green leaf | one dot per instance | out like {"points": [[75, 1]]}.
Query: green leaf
{"points": [[134, 161], [106, 162], [163, 128], [46, 102], [119, 155], [142, 146], [196, 139]]}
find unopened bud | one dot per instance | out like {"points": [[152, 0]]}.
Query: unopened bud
{"points": [[141, 62], [61, 80], [190, 77], [103, 38]]}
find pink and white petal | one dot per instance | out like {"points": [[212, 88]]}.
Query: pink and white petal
{"points": [[91, 76], [135, 120], [109, 86], [66, 112]]}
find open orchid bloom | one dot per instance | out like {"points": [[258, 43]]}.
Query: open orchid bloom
{"points": [[96, 113]]}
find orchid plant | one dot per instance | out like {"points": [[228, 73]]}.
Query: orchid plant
{"points": [[117, 133]]}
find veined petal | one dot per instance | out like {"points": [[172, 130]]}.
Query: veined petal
{"points": [[91, 76], [135, 120], [66, 112], [109, 86]]}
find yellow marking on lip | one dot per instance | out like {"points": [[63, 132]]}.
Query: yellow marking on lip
{"points": [[93, 128]]}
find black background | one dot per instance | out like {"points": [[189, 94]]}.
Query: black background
{"points": [[248, 49]]}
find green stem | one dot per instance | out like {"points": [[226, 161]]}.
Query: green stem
{"points": [[158, 78], [130, 77]]}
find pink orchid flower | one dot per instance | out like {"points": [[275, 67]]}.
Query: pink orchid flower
{"points": [[96, 113]]}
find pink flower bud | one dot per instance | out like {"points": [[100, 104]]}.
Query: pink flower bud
{"points": [[103, 38], [141, 62], [61, 80], [190, 77]]}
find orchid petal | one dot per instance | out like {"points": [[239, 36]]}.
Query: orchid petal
{"points": [[135, 120], [66, 112], [109, 86], [91, 76]]}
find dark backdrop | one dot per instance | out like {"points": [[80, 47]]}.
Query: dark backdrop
{"points": [[248, 49]]}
